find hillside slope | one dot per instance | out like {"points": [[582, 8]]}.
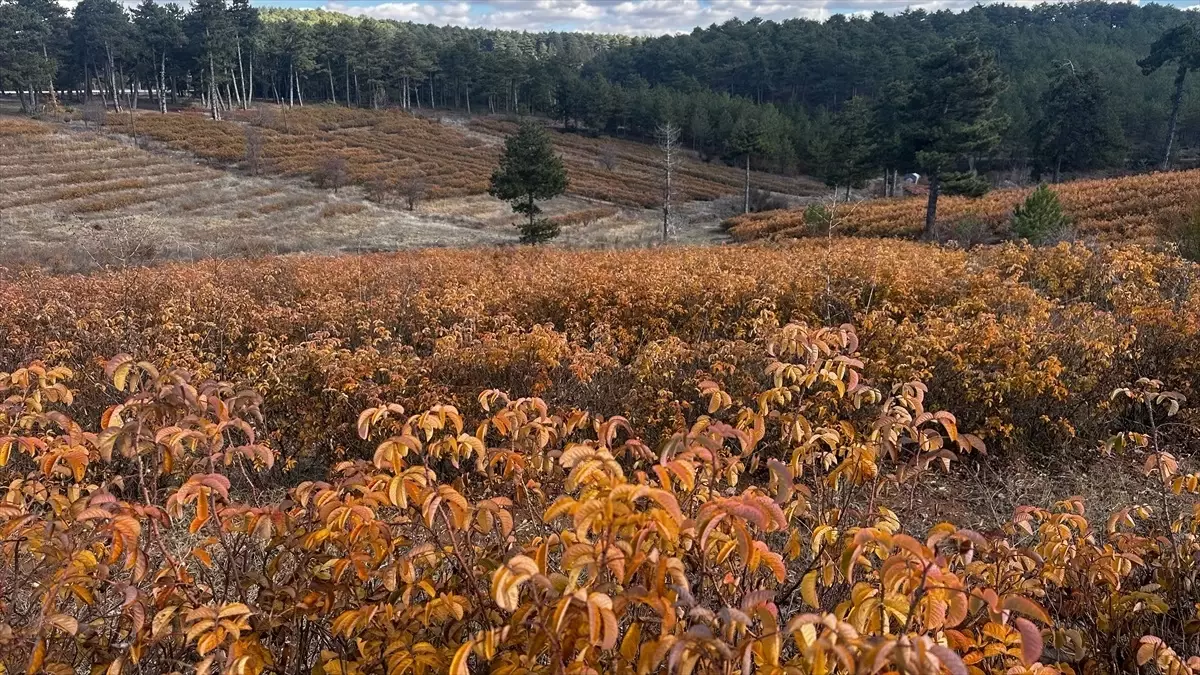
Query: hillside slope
{"points": [[453, 159], [1130, 208]]}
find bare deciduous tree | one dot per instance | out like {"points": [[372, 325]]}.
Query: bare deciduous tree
{"points": [[667, 136], [124, 242], [608, 157], [254, 149], [411, 190], [331, 173], [95, 114]]}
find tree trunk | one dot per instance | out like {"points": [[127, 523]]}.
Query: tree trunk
{"points": [[332, 90], [112, 78], [531, 212], [1057, 168], [432, 98], [291, 86], [212, 89], [746, 201], [50, 81], [100, 88], [1173, 125], [162, 91], [242, 76], [357, 91], [235, 89], [250, 89], [935, 185], [347, 82], [468, 87]]}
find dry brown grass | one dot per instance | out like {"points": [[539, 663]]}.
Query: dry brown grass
{"points": [[341, 209], [65, 193]]}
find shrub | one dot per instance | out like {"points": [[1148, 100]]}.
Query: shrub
{"points": [[1186, 236], [331, 173], [411, 190], [1040, 217], [765, 200], [254, 149], [763, 530], [818, 218]]}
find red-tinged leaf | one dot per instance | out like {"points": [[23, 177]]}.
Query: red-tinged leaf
{"points": [[949, 659], [1029, 608], [1031, 640], [91, 513]]}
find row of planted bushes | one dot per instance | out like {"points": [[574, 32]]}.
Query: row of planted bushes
{"points": [[762, 535], [1024, 343], [1143, 207]]}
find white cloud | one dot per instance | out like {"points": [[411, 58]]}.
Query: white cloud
{"points": [[437, 13]]}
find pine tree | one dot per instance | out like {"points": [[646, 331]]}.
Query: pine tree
{"points": [[851, 152], [530, 171], [1039, 217], [1075, 129], [951, 116], [1179, 45], [746, 140]]}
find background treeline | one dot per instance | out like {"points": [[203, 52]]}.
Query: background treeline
{"points": [[783, 92]]}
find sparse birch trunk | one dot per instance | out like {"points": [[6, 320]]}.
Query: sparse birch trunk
{"points": [[668, 141], [112, 78]]}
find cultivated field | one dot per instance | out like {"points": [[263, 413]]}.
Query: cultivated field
{"points": [[452, 158], [74, 198], [399, 468], [1135, 208], [77, 199]]}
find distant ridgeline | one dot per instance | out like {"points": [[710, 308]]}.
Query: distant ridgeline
{"points": [[771, 90]]}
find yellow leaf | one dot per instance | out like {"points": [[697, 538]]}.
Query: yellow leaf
{"points": [[458, 665], [161, 620], [808, 589]]}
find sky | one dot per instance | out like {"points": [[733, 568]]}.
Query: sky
{"points": [[628, 17]]}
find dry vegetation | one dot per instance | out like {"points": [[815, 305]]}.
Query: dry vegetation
{"points": [[394, 146], [73, 200], [1133, 208], [747, 491], [636, 175]]}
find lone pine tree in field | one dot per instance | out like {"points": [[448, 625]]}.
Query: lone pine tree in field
{"points": [[1040, 217], [950, 117], [530, 171]]}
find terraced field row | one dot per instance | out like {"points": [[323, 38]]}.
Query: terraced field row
{"points": [[1130, 208], [391, 146]]}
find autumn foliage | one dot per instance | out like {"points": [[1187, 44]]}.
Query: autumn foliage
{"points": [[298, 465], [1131, 208]]}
